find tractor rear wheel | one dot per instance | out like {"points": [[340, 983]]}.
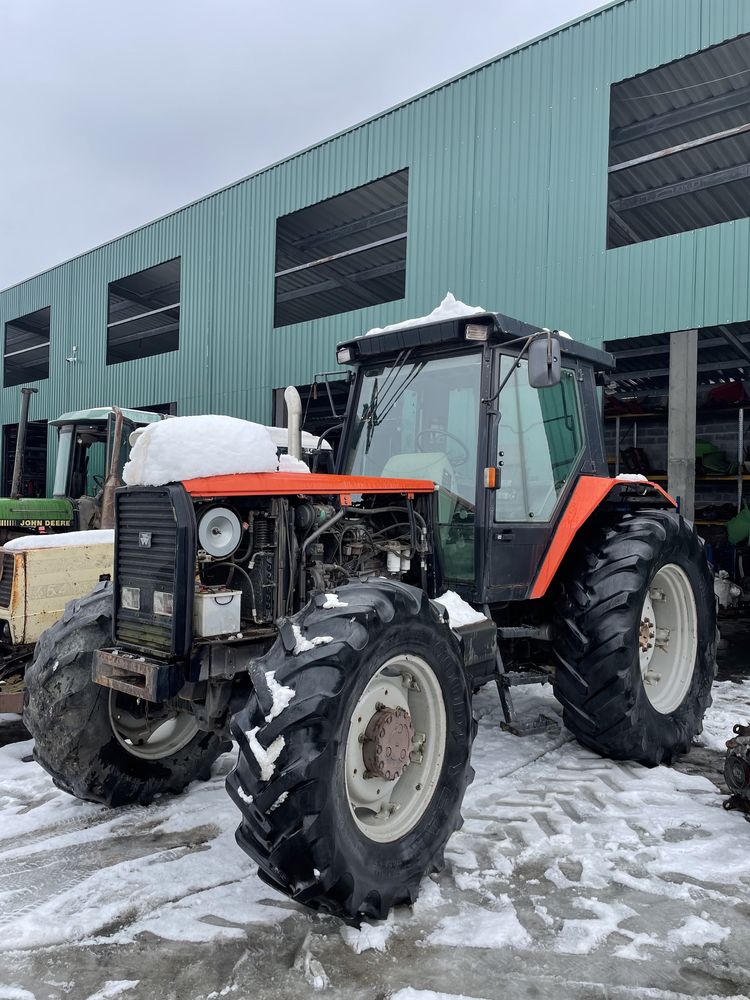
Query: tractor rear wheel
{"points": [[636, 639], [99, 744], [349, 795]]}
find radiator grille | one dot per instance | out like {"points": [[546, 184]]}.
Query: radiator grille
{"points": [[6, 582], [146, 558]]}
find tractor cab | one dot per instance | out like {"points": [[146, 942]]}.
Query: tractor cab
{"points": [[86, 441], [84, 449], [502, 416]]}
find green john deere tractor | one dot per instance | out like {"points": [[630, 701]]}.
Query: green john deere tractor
{"points": [[86, 442], [39, 575]]}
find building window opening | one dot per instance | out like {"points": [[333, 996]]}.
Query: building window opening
{"points": [[679, 146], [26, 357], [344, 253], [143, 314]]}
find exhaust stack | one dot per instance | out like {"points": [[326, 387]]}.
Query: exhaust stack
{"points": [[23, 423], [294, 421], [113, 480]]}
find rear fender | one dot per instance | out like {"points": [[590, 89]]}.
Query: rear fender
{"points": [[587, 497]]}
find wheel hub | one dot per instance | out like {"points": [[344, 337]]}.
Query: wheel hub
{"points": [[387, 743], [668, 638], [150, 736], [395, 748], [647, 634]]}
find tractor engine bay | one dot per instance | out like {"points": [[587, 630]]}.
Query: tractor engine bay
{"points": [[271, 554]]}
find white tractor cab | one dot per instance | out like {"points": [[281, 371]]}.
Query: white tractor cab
{"points": [[87, 443], [51, 554]]}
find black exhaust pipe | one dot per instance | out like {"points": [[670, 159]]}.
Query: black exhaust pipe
{"points": [[15, 486]]}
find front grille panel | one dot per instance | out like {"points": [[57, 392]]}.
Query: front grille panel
{"points": [[146, 514], [6, 582]]}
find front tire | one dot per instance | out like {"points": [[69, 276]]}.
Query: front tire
{"points": [[636, 638], [390, 683], [98, 744]]}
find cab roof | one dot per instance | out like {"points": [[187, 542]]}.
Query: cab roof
{"points": [[422, 337], [100, 414]]}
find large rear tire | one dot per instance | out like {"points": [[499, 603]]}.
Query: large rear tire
{"points": [[329, 811], [636, 638], [98, 744]]}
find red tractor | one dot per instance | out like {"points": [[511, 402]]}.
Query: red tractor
{"points": [[297, 612]]}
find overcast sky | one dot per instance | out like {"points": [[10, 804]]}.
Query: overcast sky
{"points": [[113, 113]]}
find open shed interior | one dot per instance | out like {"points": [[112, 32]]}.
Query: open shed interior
{"points": [[636, 407]]}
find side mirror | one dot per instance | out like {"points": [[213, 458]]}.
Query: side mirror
{"points": [[545, 362]]}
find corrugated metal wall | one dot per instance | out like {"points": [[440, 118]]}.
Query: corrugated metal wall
{"points": [[507, 209]]}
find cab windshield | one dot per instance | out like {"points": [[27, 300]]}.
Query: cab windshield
{"points": [[420, 420], [81, 460]]}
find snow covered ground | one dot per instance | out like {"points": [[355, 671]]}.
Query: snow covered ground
{"points": [[573, 877]]}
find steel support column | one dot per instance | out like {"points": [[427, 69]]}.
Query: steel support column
{"points": [[683, 384]]}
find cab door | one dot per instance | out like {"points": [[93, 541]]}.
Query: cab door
{"points": [[538, 448]]}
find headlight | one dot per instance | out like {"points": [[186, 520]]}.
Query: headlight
{"points": [[163, 603], [476, 331], [130, 598], [219, 531]]}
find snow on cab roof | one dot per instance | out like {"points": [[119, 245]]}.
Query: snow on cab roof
{"points": [[449, 308]]}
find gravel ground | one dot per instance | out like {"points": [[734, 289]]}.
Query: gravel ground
{"points": [[573, 877]]}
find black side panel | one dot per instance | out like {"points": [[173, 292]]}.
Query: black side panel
{"points": [[154, 551], [7, 568]]}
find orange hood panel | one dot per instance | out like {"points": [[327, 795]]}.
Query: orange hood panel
{"points": [[252, 484]]}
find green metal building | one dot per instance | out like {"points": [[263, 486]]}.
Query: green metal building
{"points": [[595, 179]]}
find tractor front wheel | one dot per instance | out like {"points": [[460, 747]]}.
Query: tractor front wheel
{"points": [[636, 639], [349, 795], [100, 744]]}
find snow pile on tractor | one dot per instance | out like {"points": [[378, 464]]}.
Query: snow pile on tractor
{"points": [[195, 447], [459, 611]]}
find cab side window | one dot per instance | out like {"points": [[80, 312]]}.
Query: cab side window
{"points": [[539, 444]]}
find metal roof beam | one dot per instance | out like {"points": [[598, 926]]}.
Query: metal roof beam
{"points": [[114, 342], [331, 284], [682, 147], [323, 261], [736, 343], [680, 116], [350, 228], [679, 188], [625, 230], [707, 366], [651, 349], [330, 269]]}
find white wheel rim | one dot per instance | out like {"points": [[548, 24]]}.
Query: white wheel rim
{"points": [[144, 738], [668, 638], [387, 810]]}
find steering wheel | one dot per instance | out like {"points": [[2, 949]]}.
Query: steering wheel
{"points": [[432, 432]]}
